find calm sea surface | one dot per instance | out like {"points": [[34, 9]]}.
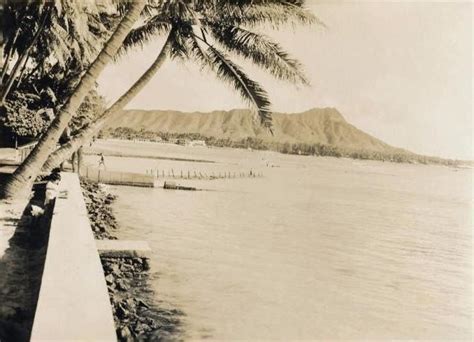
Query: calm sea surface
{"points": [[319, 248]]}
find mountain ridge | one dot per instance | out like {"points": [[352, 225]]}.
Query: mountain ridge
{"points": [[317, 125]]}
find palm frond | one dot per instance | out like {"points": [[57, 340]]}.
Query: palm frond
{"points": [[261, 50], [179, 9], [143, 34], [198, 53], [178, 39], [273, 13], [230, 72]]}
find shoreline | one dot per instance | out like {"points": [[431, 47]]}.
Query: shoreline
{"points": [[97, 152], [134, 307], [314, 149], [113, 152]]}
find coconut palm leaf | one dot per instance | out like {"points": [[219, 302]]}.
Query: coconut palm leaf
{"points": [[198, 53], [230, 72], [261, 50], [255, 13], [143, 34]]}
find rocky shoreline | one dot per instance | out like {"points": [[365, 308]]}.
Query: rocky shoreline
{"points": [[98, 204], [136, 315]]}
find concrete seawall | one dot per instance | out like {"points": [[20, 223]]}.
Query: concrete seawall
{"points": [[73, 302]]}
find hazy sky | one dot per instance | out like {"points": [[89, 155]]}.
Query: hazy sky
{"points": [[400, 71]]}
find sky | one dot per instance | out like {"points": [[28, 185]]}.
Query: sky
{"points": [[400, 71]]}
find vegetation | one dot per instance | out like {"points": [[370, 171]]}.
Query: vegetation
{"points": [[24, 119], [282, 147], [19, 183], [35, 81]]}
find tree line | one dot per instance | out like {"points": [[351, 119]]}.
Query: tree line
{"points": [[305, 149]]}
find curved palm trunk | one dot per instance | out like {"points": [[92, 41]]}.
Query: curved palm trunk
{"points": [[7, 59], [86, 133], [19, 184]]}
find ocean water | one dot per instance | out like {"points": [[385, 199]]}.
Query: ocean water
{"points": [[317, 249]]}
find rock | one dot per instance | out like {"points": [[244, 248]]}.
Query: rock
{"points": [[146, 265], [124, 334], [141, 328], [109, 279], [150, 321], [141, 303], [122, 286], [115, 270], [126, 267], [121, 311], [130, 303]]}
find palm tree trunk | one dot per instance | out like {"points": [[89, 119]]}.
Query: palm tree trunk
{"points": [[22, 72], [18, 184], [86, 133], [5, 64], [7, 59]]}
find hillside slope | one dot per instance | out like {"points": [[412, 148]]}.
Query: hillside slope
{"points": [[319, 125]]}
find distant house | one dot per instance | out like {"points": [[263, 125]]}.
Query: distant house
{"points": [[182, 142], [197, 143]]}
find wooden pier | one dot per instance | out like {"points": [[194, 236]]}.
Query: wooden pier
{"points": [[154, 176], [123, 249], [193, 174]]}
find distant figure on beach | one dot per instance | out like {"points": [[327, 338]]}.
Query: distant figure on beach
{"points": [[101, 161]]}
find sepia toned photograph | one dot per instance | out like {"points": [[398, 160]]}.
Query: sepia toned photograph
{"points": [[236, 170]]}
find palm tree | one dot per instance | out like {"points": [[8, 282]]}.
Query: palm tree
{"points": [[18, 184], [63, 31], [48, 46], [199, 31]]}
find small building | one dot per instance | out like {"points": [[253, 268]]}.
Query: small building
{"points": [[182, 142], [197, 143]]}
